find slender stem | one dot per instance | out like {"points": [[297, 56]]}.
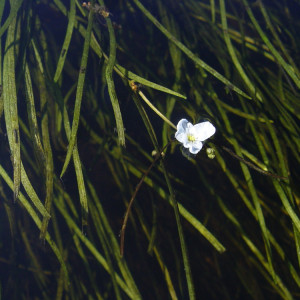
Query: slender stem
{"points": [[122, 234], [249, 164]]}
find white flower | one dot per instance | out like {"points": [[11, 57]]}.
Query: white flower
{"points": [[192, 136]]}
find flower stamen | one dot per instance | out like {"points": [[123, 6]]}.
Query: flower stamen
{"points": [[191, 138]]}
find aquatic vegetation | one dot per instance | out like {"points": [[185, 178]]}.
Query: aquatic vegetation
{"points": [[89, 90]]}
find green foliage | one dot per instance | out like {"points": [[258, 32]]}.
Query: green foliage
{"points": [[89, 90]]}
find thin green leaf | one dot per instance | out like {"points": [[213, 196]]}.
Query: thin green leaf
{"points": [[79, 93]]}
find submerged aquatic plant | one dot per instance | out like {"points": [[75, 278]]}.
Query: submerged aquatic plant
{"points": [[80, 80]]}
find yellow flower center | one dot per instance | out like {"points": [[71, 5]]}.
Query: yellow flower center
{"points": [[191, 138]]}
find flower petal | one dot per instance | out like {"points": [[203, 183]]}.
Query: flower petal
{"points": [[197, 144], [181, 133], [204, 130], [187, 144], [181, 136], [182, 124], [196, 147]]}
